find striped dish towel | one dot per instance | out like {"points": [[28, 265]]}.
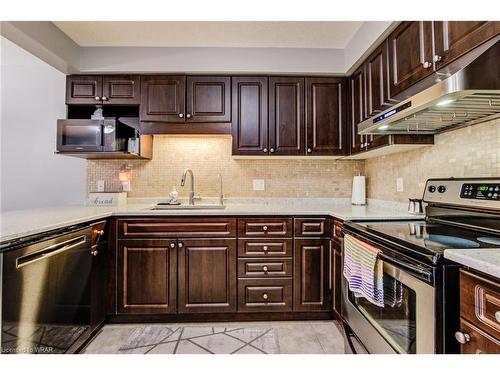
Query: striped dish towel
{"points": [[363, 270]]}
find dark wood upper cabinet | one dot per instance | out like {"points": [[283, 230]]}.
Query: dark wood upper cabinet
{"points": [[147, 276], [121, 89], [208, 99], [410, 55], [325, 116], [163, 98], [357, 111], [249, 107], [455, 38], [286, 116], [312, 275], [207, 275], [377, 80], [83, 89]]}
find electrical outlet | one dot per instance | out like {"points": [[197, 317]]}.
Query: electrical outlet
{"points": [[100, 186], [258, 185], [399, 185]]}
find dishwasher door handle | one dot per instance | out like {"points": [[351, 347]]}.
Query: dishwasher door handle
{"points": [[50, 251]]}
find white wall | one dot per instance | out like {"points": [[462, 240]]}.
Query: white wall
{"points": [[32, 99]]}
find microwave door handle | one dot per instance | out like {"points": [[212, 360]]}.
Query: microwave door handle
{"points": [[100, 136]]}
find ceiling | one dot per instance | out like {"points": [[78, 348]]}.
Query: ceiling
{"points": [[331, 34]]}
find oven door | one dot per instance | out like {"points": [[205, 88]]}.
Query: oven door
{"points": [[79, 135], [406, 323]]}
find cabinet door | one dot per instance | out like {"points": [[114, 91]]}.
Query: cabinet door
{"points": [[455, 38], [286, 116], [249, 128], [147, 276], [357, 96], [377, 80], [325, 112], [98, 283], [312, 272], [207, 275], [121, 89], [163, 98], [208, 99], [83, 89], [410, 55]]}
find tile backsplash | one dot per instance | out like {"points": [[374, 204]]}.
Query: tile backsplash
{"points": [[468, 152], [209, 155], [472, 151]]}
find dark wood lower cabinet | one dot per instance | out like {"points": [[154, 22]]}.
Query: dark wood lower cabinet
{"points": [[98, 284], [207, 275], [312, 275], [265, 295], [147, 276], [337, 276]]}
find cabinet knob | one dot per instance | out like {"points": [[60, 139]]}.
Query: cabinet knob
{"points": [[427, 65], [265, 150], [264, 227], [272, 150], [265, 248], [105, 98], [172, 245], [97, 98], [181, 115], [437, 58], [99, 232], [188, 115], [497, 316], [462, 338], [309, 150], [180, 244], [94, 253], [265, 296], [264, 268]]}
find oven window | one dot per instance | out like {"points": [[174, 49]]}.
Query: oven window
{"points": [[84, 135], [396, 321]]}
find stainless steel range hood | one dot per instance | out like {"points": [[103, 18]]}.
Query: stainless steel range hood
{"points": [[464, 93]]}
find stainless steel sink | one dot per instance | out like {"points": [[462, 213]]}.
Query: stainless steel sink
{"points": [[188, 207]]}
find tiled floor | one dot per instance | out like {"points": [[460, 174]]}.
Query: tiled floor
{"points": [[307, 337]]}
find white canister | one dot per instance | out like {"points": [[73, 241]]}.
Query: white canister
{"points": [[358, 190]]}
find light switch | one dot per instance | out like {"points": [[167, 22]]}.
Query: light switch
{"points": [[399, 185], [100, 186], [258, 185]]}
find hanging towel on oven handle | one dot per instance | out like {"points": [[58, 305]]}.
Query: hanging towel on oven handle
{"points": [[363, 270]]}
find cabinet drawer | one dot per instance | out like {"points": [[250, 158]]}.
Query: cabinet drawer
{"points": [[177, 227], [337, 229], [266, 267], [480, 342], [265, 295], [312, 227], [480, 302], [265, 248], [265, 227], [99, 232]]}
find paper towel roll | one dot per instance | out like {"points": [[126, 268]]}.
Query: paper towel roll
{"points": [[359, 190]]}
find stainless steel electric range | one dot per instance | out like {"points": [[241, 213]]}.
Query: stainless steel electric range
{"points": [[424, 315]]}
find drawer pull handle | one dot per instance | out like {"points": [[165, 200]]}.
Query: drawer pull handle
{"points": [[497, 316], [462, 338], [264, 268], [265, 248], [264, 227], [265, 296], [98, 232]]}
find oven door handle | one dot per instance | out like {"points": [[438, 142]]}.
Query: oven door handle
{"points": [[50, 251], [410, 268]]}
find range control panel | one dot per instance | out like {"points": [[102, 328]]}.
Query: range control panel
{"points": [[473, 192], [480, 191]]}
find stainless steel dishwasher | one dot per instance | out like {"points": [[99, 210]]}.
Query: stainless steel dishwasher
{"points": [[45, 293]]}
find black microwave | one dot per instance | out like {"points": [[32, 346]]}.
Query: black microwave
{"points": [[81, 135]]}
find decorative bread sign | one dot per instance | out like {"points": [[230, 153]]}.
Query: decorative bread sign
{"points": [[107, 199]]}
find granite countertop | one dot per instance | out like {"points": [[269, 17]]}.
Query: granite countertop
{"points": [[18, 224], [483, 260]]}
